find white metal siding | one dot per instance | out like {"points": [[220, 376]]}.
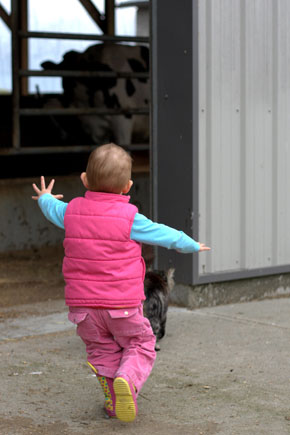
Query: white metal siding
{"points": [[244, 134]]}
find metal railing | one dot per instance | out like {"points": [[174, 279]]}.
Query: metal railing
{"points": [[18, 74]]}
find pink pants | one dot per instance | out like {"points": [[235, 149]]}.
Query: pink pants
{"points": [[118, 342]]}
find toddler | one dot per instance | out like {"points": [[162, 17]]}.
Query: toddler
{"points": [[104, 272]]}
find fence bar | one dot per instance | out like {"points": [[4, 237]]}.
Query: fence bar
{"points": [[86, 37], [65, 149], [83, 111], [89, 74], [138, 4]]}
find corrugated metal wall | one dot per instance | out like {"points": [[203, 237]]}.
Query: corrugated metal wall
{"points": [[244, 137]]}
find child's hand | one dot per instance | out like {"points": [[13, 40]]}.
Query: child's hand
{"points": [[202, 247], [44, 189]]}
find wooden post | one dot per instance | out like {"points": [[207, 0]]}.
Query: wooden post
{"points": [[110, 17], [23, 61], [15, 74]]}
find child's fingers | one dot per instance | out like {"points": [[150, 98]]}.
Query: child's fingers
{"points": [[42, 183], [35, 188], [35, 197], [51, 184], [203, 247], [58, 196]]}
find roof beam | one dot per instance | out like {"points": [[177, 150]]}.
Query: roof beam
{"points": [[5, 16], [94, 14]]}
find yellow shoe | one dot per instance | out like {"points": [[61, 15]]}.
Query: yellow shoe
{"points": [[126, 404]]}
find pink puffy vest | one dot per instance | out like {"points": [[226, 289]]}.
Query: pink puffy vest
{"points": [[102, 266]]}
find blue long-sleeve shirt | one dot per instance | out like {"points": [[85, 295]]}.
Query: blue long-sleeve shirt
{"points": [[143, 229]]}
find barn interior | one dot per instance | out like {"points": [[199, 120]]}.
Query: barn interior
{"points": [[40, 137]]}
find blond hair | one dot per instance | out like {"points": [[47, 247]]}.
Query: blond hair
{"points": [[109, 169]]}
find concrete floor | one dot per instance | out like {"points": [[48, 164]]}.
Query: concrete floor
{"points": [[221, 370]]}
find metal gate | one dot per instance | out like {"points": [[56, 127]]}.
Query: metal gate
{"points": [[17, 22]]}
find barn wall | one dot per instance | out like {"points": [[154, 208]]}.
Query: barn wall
{"points": [[244, 131], [22, 225]]}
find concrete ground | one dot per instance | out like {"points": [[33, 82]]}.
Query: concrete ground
{"points": [[222, 370]]}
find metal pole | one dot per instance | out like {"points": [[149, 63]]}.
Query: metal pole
{"points": [[15, 74]]}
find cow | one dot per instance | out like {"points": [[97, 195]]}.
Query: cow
{"points": [[109, 92]]}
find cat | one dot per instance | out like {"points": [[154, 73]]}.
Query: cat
{"points": [[157, 286]]}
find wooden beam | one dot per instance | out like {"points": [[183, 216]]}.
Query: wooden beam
{"points": [[5, 16], [110, 17], [94, 14]]}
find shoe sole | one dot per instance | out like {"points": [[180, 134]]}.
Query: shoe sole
{"points": [[125, 404]]}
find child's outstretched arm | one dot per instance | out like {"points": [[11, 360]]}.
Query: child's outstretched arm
{"points": [[51, 207], [145, 231]]}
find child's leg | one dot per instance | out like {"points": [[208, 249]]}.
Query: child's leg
{"points": [[110, 397], [133, 333], [119, 344], [104, 354], [107, 386]]}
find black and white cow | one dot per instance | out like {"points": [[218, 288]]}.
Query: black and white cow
{"points": [[104, 93]]}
